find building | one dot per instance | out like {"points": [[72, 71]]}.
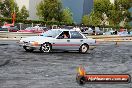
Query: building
{"points": [[30, 6], [78, 8], [20, 3], [87, 6]]}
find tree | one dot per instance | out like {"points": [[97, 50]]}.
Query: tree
{"points": [[123, 4], [101, 10], [102, 6], [115, 13], [67, 16], [8, 7], [91, 19], [119, 12], [86, 20], [94, 19], [114, 17], [24, 14], [50, 10], [0, 7]]}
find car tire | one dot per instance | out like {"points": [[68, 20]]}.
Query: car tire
{"points": [[28, 49], [46, 48], [84, 48]]}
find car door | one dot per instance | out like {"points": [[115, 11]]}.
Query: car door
{"points": [[61, 43], [76, 40]]}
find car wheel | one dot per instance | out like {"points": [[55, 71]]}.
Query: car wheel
{"points": [[84, 48], [28, 49], [45, 48]]}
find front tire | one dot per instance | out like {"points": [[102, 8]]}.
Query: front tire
{"points": [[84, 48], [45, 48], [28, 49]]}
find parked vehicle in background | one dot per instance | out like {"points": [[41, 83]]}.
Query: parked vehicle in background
{"points": [[97, 31], [35, 29], [58, 39], [123, 33], [88, 31], [67, 27], [130, 33], [13, 29], [9, 29], [110, 32]]}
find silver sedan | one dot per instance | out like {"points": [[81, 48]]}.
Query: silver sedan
{"points": [[58, 39]]}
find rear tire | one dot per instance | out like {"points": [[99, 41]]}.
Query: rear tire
{"points": [[84, 48], [46, 48], [28, 49]]}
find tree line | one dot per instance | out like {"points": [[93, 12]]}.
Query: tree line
{"points": [[104, 12], [8, 7]]}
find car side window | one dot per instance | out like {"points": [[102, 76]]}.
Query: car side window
{"points": [[64, 35], [76, 35]]}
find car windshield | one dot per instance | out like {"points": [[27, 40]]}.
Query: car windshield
{"points": [[98, 30], [51, 33], [14, 28]]}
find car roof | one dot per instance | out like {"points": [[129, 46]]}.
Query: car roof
{"points": [[64, 29]]}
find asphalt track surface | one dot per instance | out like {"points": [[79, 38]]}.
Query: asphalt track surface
{"points": [[20, 69]]}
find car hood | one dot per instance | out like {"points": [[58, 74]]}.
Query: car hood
{"points": [[35, 38]]}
